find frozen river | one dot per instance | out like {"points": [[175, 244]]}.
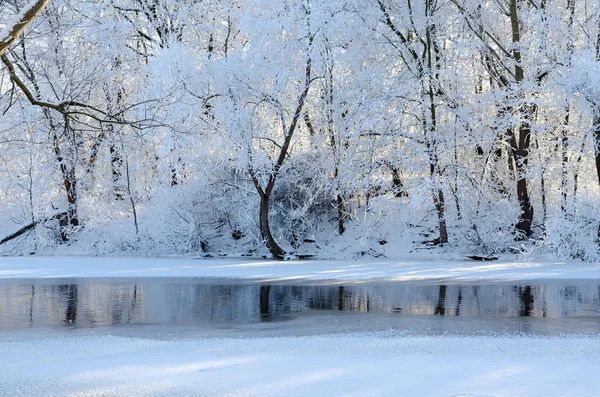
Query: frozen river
{"points": [[226, 337], [220, 307]]}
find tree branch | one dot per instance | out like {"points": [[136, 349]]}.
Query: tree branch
{"points": [[30, 13]]}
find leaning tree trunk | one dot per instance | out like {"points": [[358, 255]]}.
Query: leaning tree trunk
{"points": [[265, 229]]}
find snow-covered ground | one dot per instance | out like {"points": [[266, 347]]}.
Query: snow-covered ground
{"points": [[375, 364], [397, 270]]}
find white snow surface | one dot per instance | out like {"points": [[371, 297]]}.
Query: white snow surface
{"points": [[371, 364], [368, 269]]}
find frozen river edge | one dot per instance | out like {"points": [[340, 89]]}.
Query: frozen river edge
{"points": [[266, 269], [387, 363]]}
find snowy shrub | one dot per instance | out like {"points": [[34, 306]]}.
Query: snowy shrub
{"points": [[575, 235]]}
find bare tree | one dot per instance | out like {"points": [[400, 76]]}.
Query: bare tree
{"points": [[505, 65], [421, 55]]}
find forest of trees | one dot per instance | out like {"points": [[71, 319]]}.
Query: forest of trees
{"points": [[215, 126]]}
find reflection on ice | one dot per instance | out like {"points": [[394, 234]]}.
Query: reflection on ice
{"points": [[547, 307]]}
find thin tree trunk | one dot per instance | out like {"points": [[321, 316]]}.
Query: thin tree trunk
{"points": [[399, 190], [332, 140], [542, 185], [94, 150], [597, 118], [564, 162], [564, 131], [340, 210], [597, 145], [434, 172], [426, 64], [577, 167], [455, 187], [432, 62], [116, 162]]}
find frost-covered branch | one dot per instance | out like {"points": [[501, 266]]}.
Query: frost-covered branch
{"points": [[22, 20]]}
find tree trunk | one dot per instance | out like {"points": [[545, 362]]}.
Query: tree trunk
{"points": [[265, 194], [427, 66], [340, 204], [438, 194], [434, 173], [564, 136], [597, 145], [520, 155], [399, 190], [564, 161], [265, 229], [71, 188], [521, 148], [340, 210], [526, 217], [70, 183], [116, 162], [597, 118], [440, 210]]}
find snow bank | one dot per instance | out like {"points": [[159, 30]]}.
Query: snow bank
{"points": [[397, 270]]}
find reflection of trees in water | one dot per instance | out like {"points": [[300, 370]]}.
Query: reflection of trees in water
{"points": [[459, 301], [526, 298], [440, 308], [134, 303], [31, 303], [124, 304], [264, 303], [69, 291], [173, 302]]}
